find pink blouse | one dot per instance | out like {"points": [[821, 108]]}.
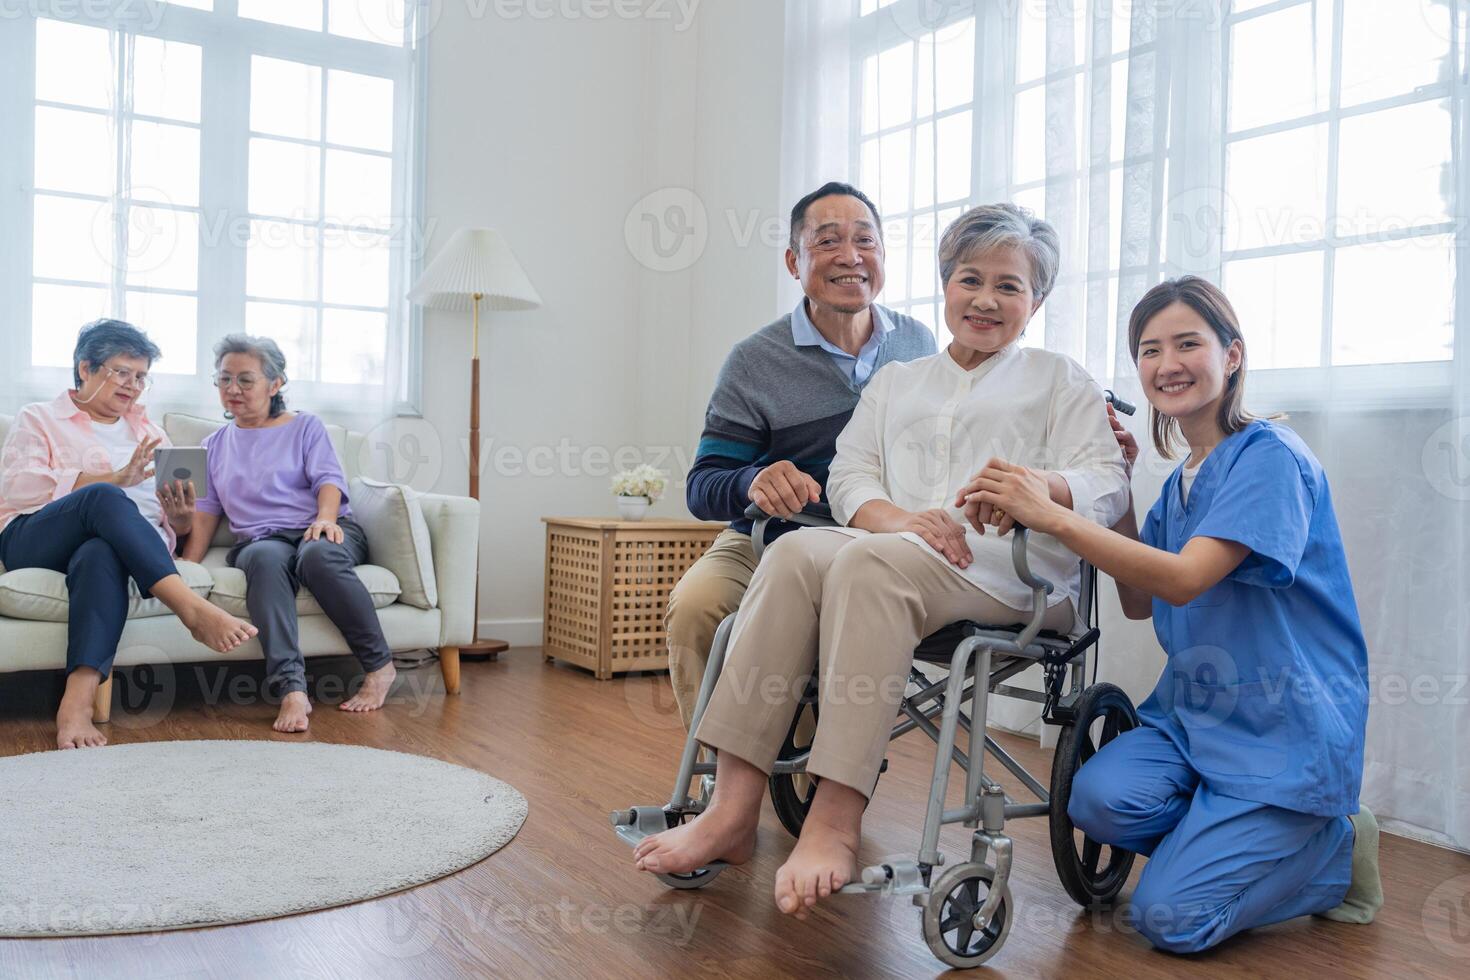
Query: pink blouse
{"points": [[50, 446]]}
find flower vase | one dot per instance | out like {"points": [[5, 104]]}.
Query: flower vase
{"points": [[633, 508]]}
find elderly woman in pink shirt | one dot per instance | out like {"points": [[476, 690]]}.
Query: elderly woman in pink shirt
{"points": [[77, 495]]}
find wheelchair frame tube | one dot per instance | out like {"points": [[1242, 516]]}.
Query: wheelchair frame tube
{"points": [[680, 799], [959, 673]]}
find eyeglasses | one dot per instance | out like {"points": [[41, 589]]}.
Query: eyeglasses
{"points": [[129, 379], [223, 381]]}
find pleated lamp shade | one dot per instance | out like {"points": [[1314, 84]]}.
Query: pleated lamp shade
{"points": [[476, 260]]}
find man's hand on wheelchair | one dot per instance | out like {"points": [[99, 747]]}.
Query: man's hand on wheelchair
{"points": [[782, 490], [1003, 494], [943, 533]]}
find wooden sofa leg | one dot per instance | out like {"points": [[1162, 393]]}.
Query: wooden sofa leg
{"points": [[449, 665], [102, 702]]}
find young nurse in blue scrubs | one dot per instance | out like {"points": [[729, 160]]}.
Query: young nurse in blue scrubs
{"points": [[1241, 783]]}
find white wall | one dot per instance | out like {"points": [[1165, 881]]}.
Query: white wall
{"points": [[551, 131]]}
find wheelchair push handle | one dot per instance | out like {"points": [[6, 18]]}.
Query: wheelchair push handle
{"points": [[1119, 405]]}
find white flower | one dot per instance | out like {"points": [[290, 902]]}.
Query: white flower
{"points": [[641, 481]]}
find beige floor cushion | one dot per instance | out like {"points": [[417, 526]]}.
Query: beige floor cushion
{"points": [[40, 594]]}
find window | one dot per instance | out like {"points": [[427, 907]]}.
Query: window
{"points": [[1300, 152], [229, 165], [108, 236], [1062, 163], [914, 154], [1356, 236]]}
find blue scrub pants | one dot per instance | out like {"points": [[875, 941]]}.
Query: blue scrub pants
{"points": [[1216, 865], [97, 536]]}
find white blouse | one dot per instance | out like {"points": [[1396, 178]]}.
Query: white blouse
{"points": [[923, 428]]}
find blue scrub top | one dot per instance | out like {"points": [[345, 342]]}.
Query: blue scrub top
{"points": [[1265, 691]]}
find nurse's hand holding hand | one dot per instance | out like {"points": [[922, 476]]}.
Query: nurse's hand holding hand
{"points": [[1017, 493]]}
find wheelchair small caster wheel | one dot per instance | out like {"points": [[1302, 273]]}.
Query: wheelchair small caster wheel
{"points": [[949, 926], [697, 878]]}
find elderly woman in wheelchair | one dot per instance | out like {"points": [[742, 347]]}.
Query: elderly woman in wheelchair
{"points": [[846, 606]]}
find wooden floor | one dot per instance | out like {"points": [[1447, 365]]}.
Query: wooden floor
{"points": [[562, 898]]}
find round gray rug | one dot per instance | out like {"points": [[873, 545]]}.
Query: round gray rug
{"points": [[169, 835]]}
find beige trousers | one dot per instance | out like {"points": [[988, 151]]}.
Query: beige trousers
{"points": [[850, 610], [708, 592]]}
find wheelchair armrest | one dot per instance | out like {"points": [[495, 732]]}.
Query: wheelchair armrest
{"points": [[1040, 587], [812, 515]]}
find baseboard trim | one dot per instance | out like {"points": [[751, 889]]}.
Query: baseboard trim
{"points": [[516, 632]]}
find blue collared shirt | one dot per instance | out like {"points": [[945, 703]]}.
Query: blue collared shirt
{"points": [[858, 369]]}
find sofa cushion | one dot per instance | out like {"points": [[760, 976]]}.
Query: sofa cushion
{"points": [[398, 537], [40, 594], [190, 430], [229, 590]]}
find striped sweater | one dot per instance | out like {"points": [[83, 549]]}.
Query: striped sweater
{"points": [[774, 400]]}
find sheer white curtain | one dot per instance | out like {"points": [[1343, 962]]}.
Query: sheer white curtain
{"points": [[1320, 184]]}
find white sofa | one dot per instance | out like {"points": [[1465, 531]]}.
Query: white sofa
{"points": [[422, 579]]}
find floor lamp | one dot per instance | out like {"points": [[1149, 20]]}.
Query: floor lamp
{"points": [[476, 268]]}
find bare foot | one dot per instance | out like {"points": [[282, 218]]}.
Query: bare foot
{"points": [[216, 628], [374, 690], [718, 834], [825, 859], [292, 717], [74, 728]]}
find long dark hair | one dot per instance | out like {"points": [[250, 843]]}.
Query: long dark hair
{"points": [[1206, 299]]}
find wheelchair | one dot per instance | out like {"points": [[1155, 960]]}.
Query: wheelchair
{"points": [[967, 910]]}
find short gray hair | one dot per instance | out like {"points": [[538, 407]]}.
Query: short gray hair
{"points": [[995, 225], [264, 350], [101, 340]]}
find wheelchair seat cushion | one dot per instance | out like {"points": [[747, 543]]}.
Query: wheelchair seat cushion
{"points": [[939, 645]]}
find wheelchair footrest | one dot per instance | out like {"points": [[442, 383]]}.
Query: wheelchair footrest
{"points": [[634, 824], [895, 878]]}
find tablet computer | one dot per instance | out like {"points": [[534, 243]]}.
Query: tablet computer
{"points": [[186, 463]]}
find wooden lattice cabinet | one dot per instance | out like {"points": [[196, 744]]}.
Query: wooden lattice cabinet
{"points": [[607, 585]]}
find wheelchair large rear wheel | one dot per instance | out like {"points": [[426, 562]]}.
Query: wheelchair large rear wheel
{"points": [[792, 795], [1103, 712]]}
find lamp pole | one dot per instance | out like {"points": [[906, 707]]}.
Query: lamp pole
{"points": [[479, 649]]}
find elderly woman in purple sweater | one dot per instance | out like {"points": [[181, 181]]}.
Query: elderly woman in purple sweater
{"points": [[275, 475]]}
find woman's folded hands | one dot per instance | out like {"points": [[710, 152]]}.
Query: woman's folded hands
{"points": [[943, 533]]}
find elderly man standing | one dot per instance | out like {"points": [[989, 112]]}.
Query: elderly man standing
{"points": [[782, 397]]}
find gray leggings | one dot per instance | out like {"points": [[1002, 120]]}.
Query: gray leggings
{"points": [[276, 566]]}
